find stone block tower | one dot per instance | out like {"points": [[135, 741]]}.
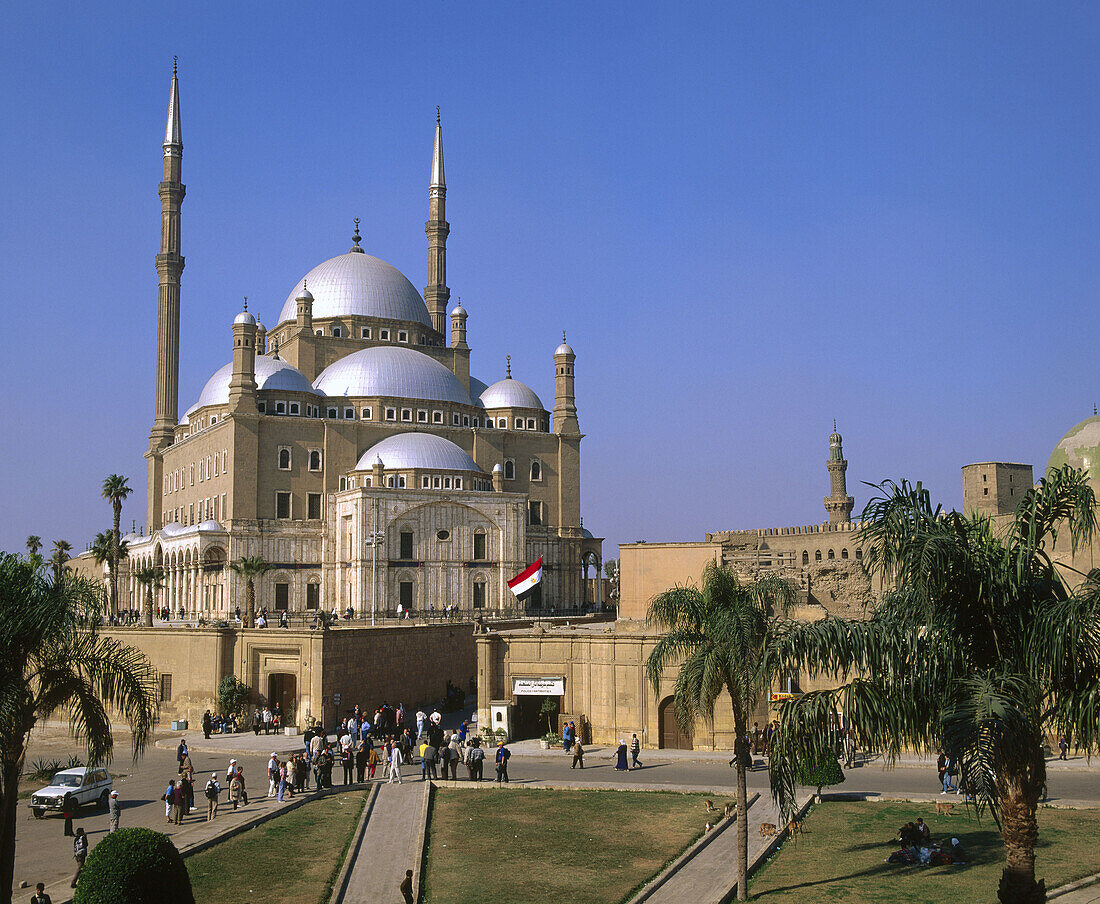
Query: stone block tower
{"points": [[838, 503], [436, 293]]}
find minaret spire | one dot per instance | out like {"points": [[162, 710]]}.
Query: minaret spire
{"points": [[838, 503], [169, 264], [436, 293]]}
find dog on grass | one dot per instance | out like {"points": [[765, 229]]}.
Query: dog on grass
{"points": [[731, 809], [708, 805], [944, 809], [794, 827]]}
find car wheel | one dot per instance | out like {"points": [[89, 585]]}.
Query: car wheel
{"points": [[38, 812], [104, 799]]}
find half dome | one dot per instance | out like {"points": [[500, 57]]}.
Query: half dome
{"points": [[1080, 447], [391, 372], [509, 393], [271, 373], [424, 451], [358, 285]]}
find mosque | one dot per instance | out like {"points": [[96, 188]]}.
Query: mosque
{"points": [[352, 449]]}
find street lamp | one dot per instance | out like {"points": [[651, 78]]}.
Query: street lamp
{"points": [[372, 541]]}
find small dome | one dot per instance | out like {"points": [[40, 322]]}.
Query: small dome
{"points": [[260, 326], [564, 348], [304, 295], [497, 469], [358, 285], [391, 372], [244, 317], [458, 311], [1080, 447], [271, 373], [509, 393], [424, 451]]}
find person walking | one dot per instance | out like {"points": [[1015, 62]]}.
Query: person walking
{"points": [[361, 757], [943, 769], [80, 853], [40, 896], [179, 801], [282, 782], [1063, 748], [567, 737], [635, 749], [578, 755], [236, 789], [620, 757], [407, 887], [455, 755], [475, 761], [167, 798], [272, 774], [68, 810], [347, 760], [372, 761], [503, 754], [395, 765], [112, 813], [213, 790]]}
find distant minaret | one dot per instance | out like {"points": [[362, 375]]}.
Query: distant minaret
{"points": [[436, 293], [838, 503], [169, 268], [565, 401]]}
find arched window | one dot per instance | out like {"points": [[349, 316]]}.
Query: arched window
{"points": [[337, 332], [536, 469], [832, 555], [805, 557], [844, 553], [817, 555], [284, 459], [859, 554], [315, 460], [509, 469]]}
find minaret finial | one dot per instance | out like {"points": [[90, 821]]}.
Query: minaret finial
{"points": [[175, 61], [246, 302], [834, 425], [437, 114], [1094, 409], [508, 367], [563, 336], [173, 134], [275, 349]]}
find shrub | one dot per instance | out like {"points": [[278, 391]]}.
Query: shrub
{"points": [[233, 695], [134, 866], [821, 772]]}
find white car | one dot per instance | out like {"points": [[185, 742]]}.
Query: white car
{"points": [[87, 785]]}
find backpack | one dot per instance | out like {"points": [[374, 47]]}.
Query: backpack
{"points": [[211, 790]]}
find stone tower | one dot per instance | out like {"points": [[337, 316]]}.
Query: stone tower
{"points": [[436, 293], [169, 268], [565, 401], [242, 383], [838, 503]]}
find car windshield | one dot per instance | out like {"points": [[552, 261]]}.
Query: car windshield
{"points": [[67, 780]]}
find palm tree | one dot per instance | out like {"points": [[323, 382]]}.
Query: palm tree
{"points": [[103, 549], [152, 579], [34, 543], [717, 635], [51, 665], [981, 646], [61, 550], [250, 568], [115, 491]]}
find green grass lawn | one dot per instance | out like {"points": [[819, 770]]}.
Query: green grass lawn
{"points": [[530, 847], [294, 857], [839, 859]]}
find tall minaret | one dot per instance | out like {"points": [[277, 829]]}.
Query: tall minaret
{"points": [[565, 402], [169, 268], [436, 293], [838, 503]]}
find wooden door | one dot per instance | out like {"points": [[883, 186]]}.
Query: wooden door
{"points": [[671, 736]]}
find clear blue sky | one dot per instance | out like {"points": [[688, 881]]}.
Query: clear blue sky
{"points": [[751, 218]]}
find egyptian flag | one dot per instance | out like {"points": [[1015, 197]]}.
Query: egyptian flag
{"points": [[527, 580]]}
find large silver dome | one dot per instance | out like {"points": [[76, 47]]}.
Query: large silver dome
{"points": [[271, 373], [357, 284], [391, 372], [509, 393], [417, 450]]}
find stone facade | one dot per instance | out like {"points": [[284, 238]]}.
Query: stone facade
{"points": [[995, 487]]}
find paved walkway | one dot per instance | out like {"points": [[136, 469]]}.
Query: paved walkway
{"points": [[1088, 894], [392, 843], [707, 873]]}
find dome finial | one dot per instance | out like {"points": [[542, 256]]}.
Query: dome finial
{"points": [[834, 425], [175, 62], [357, 238], [1094, 409], [437, 114], [508, 367], [246, 302], [275, 348]]}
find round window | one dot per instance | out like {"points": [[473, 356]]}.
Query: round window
{"points": [[443, 535]]}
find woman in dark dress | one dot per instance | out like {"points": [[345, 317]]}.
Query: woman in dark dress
{"points": [[620, 757]]}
